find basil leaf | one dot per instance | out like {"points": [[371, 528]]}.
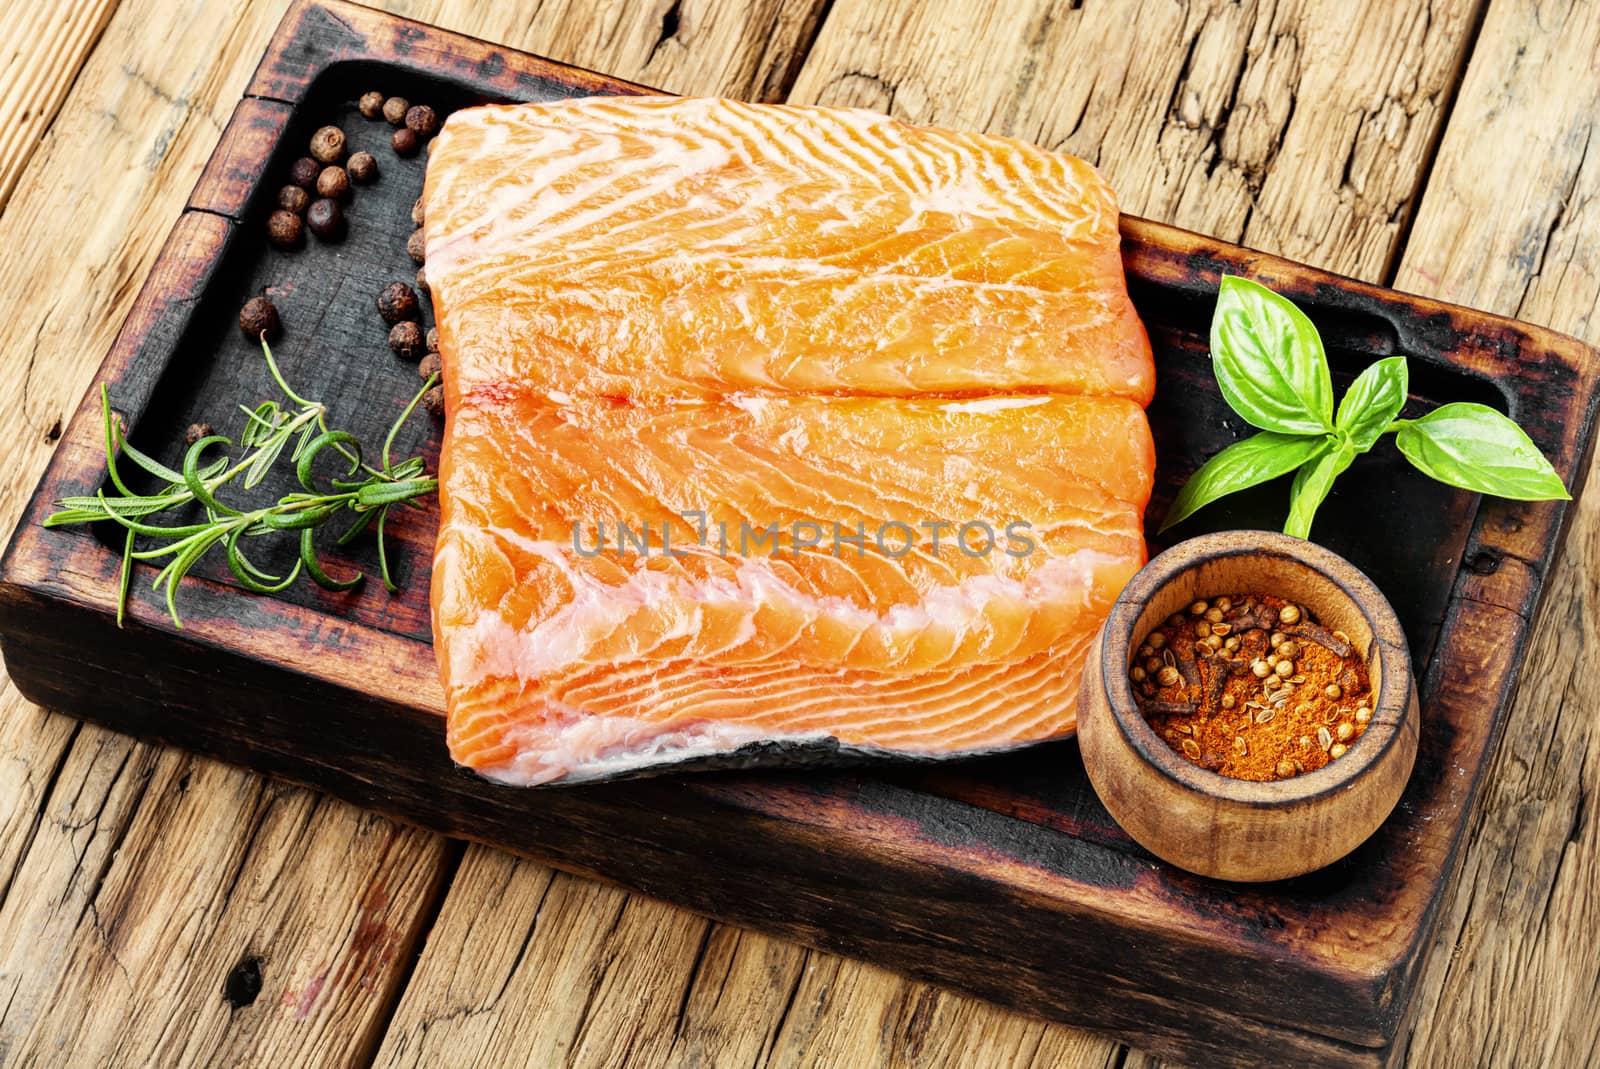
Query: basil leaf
{"points": [[1476, 448], [1373, 401], [1311, 485], [1255, 460], [1268, 360]]}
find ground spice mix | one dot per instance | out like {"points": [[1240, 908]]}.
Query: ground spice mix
{"points": [[1252, 687]]}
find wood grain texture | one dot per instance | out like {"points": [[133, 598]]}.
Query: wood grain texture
{"points": [[1301, 128], [1511, 222], [42, 48], [137, 126], [1232, 829], [847, 1036]]}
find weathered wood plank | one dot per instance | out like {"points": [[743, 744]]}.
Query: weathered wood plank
{"points": [[42, 48], [138, 125], [1511, 222], [298, 950], [932, 63], [1300, 128]]}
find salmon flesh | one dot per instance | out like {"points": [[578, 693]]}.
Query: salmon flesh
{"points": [[772, 432]]}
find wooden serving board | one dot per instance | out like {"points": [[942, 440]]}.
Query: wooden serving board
{"points": [[1002, 877]]}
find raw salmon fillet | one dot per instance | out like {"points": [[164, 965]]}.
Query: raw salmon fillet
{"points": [[772, 431]]}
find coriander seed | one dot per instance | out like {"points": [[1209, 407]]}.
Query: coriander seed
{"points": [[371, 105], [1168, 676], [1289, 614]]}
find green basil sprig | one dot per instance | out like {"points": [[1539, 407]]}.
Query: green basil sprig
{"points": [[1272, 370]]}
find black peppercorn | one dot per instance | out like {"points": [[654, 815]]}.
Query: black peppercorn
{"points": [[397, 302], [422, 120], [404, 142], [433, 401], [327, 144], [362, 167], [197, 431], [417, 212], [371, 105], [283, 229], [417, 245], [333, 183], [325, 218], [259, 316], [433, 339], [303, 172], [395, 108], [430, 366], [405, 338]]}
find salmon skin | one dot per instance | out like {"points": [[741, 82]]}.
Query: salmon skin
{"points": [[772, 434]]}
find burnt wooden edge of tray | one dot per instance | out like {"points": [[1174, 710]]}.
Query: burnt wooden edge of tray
{"points": [[315, 36], [1021, 942], [70, 575]]}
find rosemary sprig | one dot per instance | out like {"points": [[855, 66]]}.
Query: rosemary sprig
{"points": [[366, 491]]}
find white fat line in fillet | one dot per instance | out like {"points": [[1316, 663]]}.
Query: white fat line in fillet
{"points": [[597, 610]]}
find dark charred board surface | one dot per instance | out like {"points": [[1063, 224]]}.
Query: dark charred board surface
{"points": [[1004, 876]]}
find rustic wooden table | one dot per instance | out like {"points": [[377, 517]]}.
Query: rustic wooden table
{"points": [[161, 909]]}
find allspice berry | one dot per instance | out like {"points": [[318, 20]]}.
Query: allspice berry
{"points": [[433, 401], [417, 217], [371, 105], [395, 108], [405, 142], [303, 172], [283, 229], [362, 167], [259, 316], [422, 120], [327, 144], [197, 431], [433, 339], [397, 302], [293, 199], [417, 245], [405, 338], [430, 366], [333, 183], [325, 218], [422, 281]]}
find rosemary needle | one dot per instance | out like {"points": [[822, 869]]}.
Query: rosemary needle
{"points": [[366, 491]]}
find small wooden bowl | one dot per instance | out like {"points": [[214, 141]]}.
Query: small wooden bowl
{"points": [[1236, 829]]}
